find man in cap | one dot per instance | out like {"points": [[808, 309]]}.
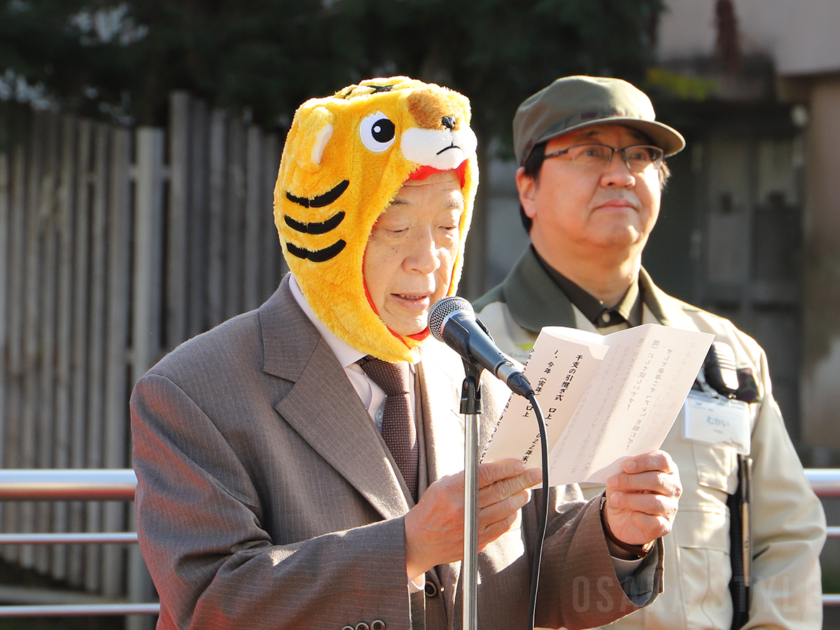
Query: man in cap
{"points": [[591, 173], [300, 466]]}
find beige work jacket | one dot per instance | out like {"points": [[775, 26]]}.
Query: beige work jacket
{"points": [[788, 523]]}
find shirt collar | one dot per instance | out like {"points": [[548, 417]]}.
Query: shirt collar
{"points": [[628, 309], [346, 354]]}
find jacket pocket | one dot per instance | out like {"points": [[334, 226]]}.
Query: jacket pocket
{"points": [[705, 529], [717, 467], [704, 569]]}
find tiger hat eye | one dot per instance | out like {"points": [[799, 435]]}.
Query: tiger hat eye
{"points": [[383, 130]]}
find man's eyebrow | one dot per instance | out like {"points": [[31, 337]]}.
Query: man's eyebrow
{"points": [[638, 135]]}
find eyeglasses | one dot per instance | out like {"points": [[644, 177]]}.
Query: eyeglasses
{"points": [[596, 157]]}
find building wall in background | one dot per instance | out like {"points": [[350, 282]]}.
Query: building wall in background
{"points": [[821, 366], [790, 60], [800, 35]]}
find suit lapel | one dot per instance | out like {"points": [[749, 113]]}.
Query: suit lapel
{"points": [[322, 405]]}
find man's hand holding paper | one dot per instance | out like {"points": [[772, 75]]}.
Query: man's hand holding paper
{"points": [[434, 528], [642, 500]]}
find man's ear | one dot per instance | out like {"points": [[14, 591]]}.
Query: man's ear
{"points": [[527, 187]]}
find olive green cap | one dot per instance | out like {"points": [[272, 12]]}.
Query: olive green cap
{"points": [[574, 102]]}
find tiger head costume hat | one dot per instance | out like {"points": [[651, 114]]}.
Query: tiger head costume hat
{"points": [[345, 159]]}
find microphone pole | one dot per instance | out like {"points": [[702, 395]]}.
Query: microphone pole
{"points": [[471, 408], [453, 322]]}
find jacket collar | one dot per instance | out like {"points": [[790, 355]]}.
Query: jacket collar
{"points": [[322, 405], [289, 338], [668, 311], [535, 300]]}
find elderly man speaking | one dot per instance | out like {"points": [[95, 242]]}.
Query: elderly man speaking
{"points": [[300, 466]]}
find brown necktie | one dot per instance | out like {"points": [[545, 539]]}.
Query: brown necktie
{"points": [[398, 428]]}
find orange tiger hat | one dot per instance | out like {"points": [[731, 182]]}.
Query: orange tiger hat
{"points": [[345, 158]]}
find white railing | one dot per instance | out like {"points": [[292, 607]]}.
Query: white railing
{"points": [[118, 485]]}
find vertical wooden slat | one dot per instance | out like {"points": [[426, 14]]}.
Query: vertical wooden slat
{"points": [[140, 587], [4, 303], [216, 254], [177, 241], [96, 345], [253, 254], [116, 372], [271, 247], [69, 294], [281, 268], [63, 351], [30, 407], [47, 327], [198, 217], [234, 214], [5, 256], [147, 298], [148, 251], [81, 300], [15, 330]]}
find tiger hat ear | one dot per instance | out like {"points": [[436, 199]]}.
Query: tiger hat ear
{"points": [[313, 134]]}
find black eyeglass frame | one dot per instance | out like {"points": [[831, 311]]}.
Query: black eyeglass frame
{"points": [[656, 161]]}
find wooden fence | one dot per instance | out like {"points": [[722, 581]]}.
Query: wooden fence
{"points": [[115, 246]]}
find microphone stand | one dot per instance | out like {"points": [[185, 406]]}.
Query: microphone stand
{"points": [[471, 408]]}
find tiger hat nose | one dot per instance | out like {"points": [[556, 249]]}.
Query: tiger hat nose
{"points": [[432, 108]]}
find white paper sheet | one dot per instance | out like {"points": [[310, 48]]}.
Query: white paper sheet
{"points": [[604, 398]]}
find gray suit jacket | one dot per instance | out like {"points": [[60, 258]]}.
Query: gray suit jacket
{"points": [[267, 499]]}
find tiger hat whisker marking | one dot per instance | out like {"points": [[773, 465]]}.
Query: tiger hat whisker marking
{"points": [[321, 200], [320, 255], [315, 228]]}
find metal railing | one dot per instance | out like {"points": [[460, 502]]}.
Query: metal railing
{"points": [[826, 484], [71, 485], [119, 485]]}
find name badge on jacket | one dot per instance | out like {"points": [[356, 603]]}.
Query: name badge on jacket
{"points": [[717, 421]]}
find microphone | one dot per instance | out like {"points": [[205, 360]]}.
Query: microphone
{"points": [[452, 320], [719, 368]]}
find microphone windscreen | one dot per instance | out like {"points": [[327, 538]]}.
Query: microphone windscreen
{"points": [[720, 369], [442, 309]]}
